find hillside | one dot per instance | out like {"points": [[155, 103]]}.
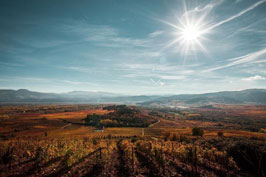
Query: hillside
{"points": [[26, 96], [250, 96]]}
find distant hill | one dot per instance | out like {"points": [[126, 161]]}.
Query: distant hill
{"points": [[250, 96], [26, 96], [23, 95]]}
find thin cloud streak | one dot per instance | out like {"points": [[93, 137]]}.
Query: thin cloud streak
{"points": [[240, 60], [237, 15], [44, 80]]}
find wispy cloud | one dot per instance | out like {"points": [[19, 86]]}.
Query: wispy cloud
{"points": [[78, 32], [156, 33], [30, 79], [205, 9], [101, 35], [241, 60], [157, 83], [254, 78], [76, 82], [77, 68], [171, 77], [44, 80], [237, 15]]}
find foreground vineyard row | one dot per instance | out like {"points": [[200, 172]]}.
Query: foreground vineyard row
{"points": [[113, 157]]}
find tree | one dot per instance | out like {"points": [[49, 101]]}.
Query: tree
{"points": [[196, 131], [166, 136], [174, 138], [220, 134]]}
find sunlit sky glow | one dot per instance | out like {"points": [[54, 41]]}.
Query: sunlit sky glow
{"points": [[133, 47]]}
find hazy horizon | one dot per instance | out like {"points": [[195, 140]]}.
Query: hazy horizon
{"points": [[133, 47], [124, 94]]}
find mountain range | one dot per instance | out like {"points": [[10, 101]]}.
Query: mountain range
{"points": [[27, 96], [250, 96]]}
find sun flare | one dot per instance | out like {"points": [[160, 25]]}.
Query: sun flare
{"points": [[190, 33]]}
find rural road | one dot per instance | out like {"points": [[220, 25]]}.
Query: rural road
{"points": [[150, 126]]}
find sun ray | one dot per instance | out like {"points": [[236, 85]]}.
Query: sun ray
{"points": [[189, 31]]}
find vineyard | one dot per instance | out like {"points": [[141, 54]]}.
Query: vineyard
{"points": [[124, 141], [114, 156]]}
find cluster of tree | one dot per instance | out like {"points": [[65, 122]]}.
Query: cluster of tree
{"points": [[196, 131], [121, 116], [122, 109]]}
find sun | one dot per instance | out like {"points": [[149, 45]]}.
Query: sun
{"points": [[190, 33]]}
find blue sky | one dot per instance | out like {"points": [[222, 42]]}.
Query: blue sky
{"points": [[132, 46]]}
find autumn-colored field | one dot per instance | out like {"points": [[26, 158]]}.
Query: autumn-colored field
{"points": [[55, 141], [182, 123], [62, 121], [253, 111], [64, 115]]}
